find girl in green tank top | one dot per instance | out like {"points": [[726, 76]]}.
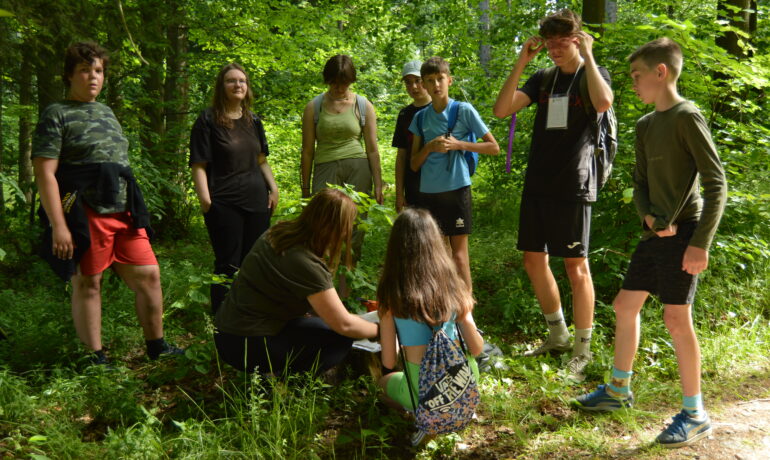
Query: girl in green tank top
{"points": [[338, 136]]}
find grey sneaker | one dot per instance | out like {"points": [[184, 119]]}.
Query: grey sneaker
{"points": [[549, 346], [576, 367]]}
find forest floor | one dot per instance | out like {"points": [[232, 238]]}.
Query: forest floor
{"points": [[741, 431]]}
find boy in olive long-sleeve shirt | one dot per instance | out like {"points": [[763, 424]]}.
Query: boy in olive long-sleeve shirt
{"points": [[673, 151]]}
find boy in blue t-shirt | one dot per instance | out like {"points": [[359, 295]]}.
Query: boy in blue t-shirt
{"points": [[445, 180]]}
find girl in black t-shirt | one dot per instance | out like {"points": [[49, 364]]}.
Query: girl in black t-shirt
{"points": [[233, 181]]}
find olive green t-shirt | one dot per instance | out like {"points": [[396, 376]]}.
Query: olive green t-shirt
{"points": [[83, 133], [271, 289], [673, 147]]}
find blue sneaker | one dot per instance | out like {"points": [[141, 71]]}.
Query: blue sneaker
{"points": [[601, 401], [684, 430]]}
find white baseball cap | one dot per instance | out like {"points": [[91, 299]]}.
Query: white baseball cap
{"points": [[411, 68]]}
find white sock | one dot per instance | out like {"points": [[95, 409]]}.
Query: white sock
{"points": [[557, 328], [582, 342]]}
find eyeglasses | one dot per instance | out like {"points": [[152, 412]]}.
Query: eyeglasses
{"points": [[562, 42], [235, 81]]}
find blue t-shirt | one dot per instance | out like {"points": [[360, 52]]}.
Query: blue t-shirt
{"points": [[444, 172]]}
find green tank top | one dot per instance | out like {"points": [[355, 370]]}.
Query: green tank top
{"points": [[338, 136]]}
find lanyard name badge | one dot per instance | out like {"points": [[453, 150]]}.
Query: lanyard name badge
{"points": [[558, 105]]}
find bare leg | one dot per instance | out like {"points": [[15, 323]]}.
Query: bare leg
{"points": [[579, 275], [678, 319], [144, 280], [543, 282], [87, 309], [461, 257], [628, 305]]}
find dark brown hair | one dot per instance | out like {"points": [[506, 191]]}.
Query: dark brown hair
{"points": [[322, 227], [219, 104], [80, 52], [339, 69], [660, 51], [420, 279], [434, 65], [563, 23]]}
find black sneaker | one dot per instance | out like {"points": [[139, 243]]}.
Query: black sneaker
{"points": [[167, 350], [98, 358]]}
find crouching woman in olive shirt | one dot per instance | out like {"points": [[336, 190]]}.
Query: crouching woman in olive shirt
{"points": [[265, 323]]}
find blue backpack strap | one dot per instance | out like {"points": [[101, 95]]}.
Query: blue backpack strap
{"points": [[420, 118], [454, 109]]}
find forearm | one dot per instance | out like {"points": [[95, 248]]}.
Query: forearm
{"points": [[200, 182], [419, 155], [400, 171], [50, 198], [267, 172], [486, 147], [598, 89], [306, 168], [374, 165]]}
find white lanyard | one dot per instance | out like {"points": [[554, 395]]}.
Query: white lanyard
{"points": [[558, 105]]}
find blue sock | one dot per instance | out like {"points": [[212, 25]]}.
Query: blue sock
{"points": [[621, 382], [693, 405]]}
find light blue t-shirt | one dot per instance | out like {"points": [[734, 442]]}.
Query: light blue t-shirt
{"points": [[413, 333], [443, 172]]}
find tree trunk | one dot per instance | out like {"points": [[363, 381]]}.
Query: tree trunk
{"points": [[594, 14], [25, 127], [741, 20], [2, 148], [485, 49]]}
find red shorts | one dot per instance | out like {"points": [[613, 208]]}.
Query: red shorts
{"points": [[114, 239]]}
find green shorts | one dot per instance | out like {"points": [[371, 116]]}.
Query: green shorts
{"points": [[398, 390]]}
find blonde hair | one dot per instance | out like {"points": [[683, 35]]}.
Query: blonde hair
{"points": [[420, 280], [322, 227]]}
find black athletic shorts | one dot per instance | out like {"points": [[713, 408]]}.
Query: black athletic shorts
{"points": [[656, 267], [559, 228], [452, 210]]}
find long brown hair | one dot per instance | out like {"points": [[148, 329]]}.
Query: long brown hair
{"points": [[420, 280], [322, 227], [219, 104]]}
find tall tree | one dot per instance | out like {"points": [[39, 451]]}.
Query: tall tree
{"points": [[740, 14]]}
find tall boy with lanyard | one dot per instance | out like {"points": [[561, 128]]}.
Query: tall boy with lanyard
{"points": [[555, 217]]}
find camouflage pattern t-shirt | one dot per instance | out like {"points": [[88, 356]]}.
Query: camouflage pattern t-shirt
{"points": [[82, 133]]}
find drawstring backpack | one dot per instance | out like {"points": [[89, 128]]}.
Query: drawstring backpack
{"points": [[448, 393]]}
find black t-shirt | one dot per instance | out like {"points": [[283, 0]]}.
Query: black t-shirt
{"points": [[559, 164], [402, 139], [234, 176]]}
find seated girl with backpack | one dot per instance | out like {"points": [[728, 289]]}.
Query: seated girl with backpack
{"points": [[419, 292]]}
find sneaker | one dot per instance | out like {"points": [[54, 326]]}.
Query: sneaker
{"points": [[601, 401], [547, 347], [98, 358], [684, 430], [576, 367], [167, 351]]}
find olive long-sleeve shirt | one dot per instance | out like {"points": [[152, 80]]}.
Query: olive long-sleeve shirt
{"points": [[675, 156]]}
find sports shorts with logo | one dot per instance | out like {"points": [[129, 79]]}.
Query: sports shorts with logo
{"points": [[656, 267], [557, 227], [452, 210]]}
